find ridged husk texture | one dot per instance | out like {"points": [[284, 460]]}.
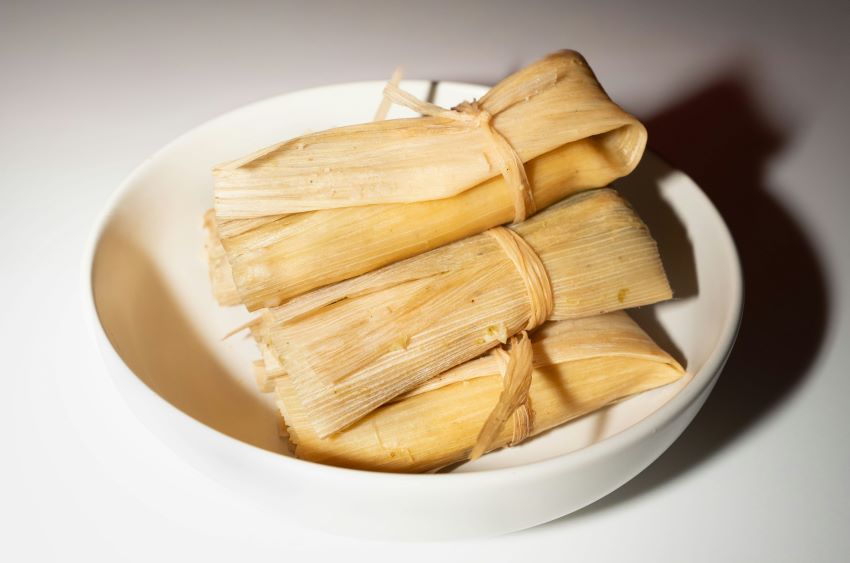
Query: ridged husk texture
{"points": [[353, 346]]}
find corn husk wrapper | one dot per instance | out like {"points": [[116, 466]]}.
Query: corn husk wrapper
{"points": [[351, 347], [221, 275], [581, 365], [357, 198]]}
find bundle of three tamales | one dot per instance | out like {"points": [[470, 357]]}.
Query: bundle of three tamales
{"points": [[343, 352]]}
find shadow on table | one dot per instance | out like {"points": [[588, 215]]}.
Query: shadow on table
{"points": [[722, 140]]}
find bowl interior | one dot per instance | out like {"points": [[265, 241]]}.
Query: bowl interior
{"points": [[153, 298]]}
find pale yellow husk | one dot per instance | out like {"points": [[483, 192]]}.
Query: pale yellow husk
{"points": [[386, 103], [353, 346], [221, 275], [580, 366]]}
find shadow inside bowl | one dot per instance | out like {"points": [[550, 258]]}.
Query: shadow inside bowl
{"points": [[150, 332]]}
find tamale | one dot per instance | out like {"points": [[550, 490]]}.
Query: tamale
{"points": [[581, 365], [346, 201], [350, 347], [548, 104]]}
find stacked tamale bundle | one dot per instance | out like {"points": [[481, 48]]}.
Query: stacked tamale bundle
{"points": [[393, 310]]}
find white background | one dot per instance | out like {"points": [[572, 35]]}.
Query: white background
{"points": [[752, 101]]}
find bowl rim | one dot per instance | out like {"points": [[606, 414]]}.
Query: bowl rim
{"points": [[531, 470]]}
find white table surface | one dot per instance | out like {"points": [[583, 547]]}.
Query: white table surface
{"points": [[751, 101]]}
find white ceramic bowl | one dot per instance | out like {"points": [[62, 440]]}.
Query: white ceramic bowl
{"points": [[160, 331]]}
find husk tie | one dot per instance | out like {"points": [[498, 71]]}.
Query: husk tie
{"points": [[474, 115]]}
